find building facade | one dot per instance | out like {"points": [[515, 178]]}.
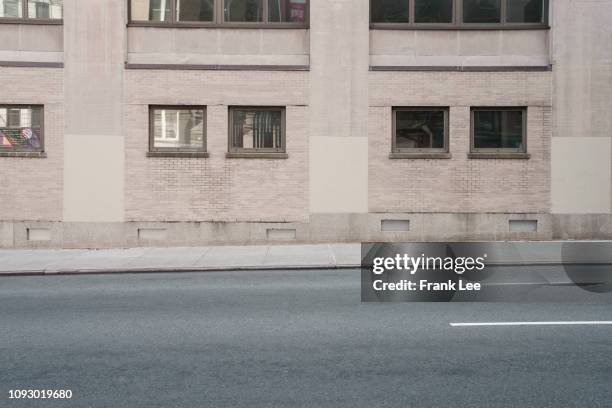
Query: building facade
{"points": [[193, 122]]}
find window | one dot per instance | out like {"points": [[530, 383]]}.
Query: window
{"points": [[21, 129], [287, 11], [256, 130], [195, 10], [389, 11], [177, 130], [292, 13], [482, 11], [420, 130], [499, 130], [525, 11], [459, 13], [433, 11], [31, 9]]}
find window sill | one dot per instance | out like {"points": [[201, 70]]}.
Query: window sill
{"points": [[29, 155], [457, 27], [300, 26], [235, 155], [518, 156], [422, 155], [184, 155], [30, 21]]}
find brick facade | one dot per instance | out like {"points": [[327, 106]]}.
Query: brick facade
{"points": [[216, 188], [460, 184], [32, 188]]}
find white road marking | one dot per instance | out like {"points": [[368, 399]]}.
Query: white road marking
{"points": [[560, 323]]}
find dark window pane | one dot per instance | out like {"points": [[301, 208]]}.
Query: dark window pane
{"points": [[151, 10], [525, 11], [389, 11], [419, 130], [178, 129], [10, 8], [481, 11], [195, 10], [45, 9], [498, 129], [20, 129], [243, 10], [287, 11], [433, 11], [253, 129]]}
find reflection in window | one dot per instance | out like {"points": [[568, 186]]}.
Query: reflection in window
{"points": [[195, 10], [151, 10], [256, 129], [481, 11], [433, 11], [243, 10], [45, 9], [389, 11], [178, 129], [525, 11], [420, 129], [21, 128], [501, 129], [10, 8], [283, 11]]}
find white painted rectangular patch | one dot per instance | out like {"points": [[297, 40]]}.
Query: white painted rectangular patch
{"points": [[560, 323]]}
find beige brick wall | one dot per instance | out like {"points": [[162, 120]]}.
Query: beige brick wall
{"points": [[460, 184], [32, 187], [216, 188]]}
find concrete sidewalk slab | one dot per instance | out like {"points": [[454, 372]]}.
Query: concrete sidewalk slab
{"points": [[211, 258]]}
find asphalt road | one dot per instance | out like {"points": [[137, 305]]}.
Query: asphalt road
{"points": [[288, 339]]}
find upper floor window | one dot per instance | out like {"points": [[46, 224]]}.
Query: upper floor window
{"points": [[459, 13], [21, 129], [293, 13], [31, 9]]}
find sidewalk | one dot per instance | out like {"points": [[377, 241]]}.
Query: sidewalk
{"points": [[212, 258]]}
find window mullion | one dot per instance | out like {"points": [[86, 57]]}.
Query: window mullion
{"points": [[411, 10], [458, 12], [265, 11], [24, 9], [504, 4]]}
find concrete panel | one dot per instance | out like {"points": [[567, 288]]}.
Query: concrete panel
{"points": [[31, 37], [581, 175], [437, 43], [93, 178], [338, 181], [583, 68], [459, 48], [153, 45]]}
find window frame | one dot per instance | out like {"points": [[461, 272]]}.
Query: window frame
{"points": [[502, 152], [399, 153], [457, 20], [22, 152], [219, 19], [238, 152], [177, 151], [25, 19]]}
